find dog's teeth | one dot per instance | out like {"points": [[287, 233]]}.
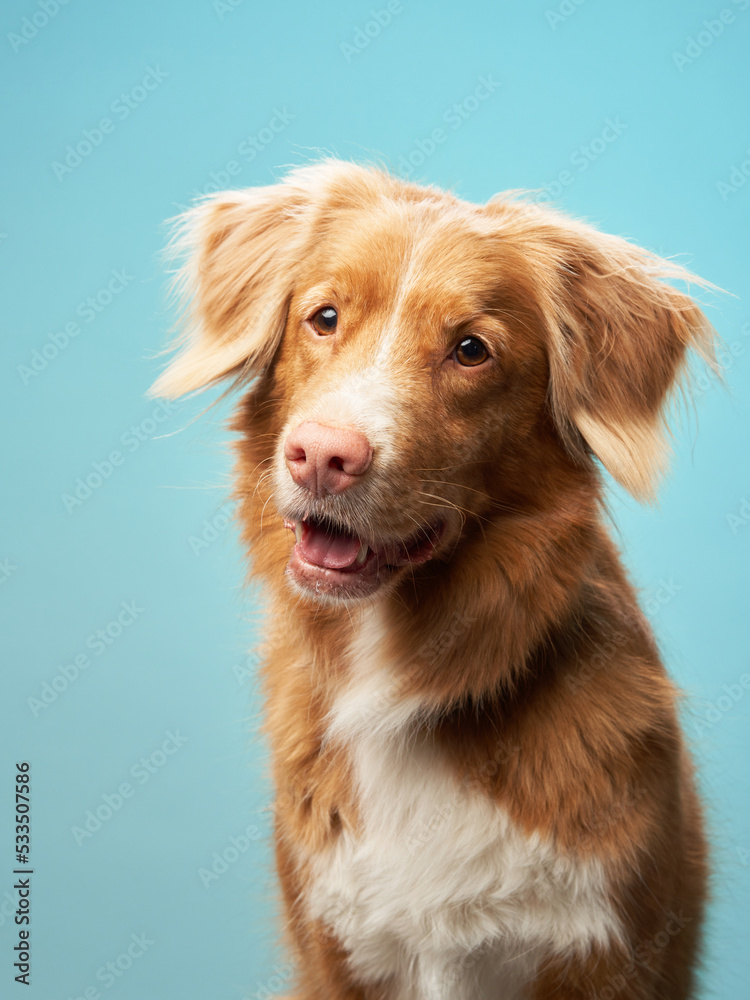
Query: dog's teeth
{"points": [[361, 555], [298, 530]]}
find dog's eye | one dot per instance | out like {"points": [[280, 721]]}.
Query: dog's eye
{"points": [[325, 320], [470, 352]]}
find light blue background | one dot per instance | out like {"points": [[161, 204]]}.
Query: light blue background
{"points": [[182, 665]]}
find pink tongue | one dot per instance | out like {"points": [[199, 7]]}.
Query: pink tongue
{"points": [[321, 548]]}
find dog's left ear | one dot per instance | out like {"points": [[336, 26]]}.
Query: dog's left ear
{"points": [[618, 339]]}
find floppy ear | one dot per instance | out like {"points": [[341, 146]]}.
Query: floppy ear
{"points": [[234, 250], [618, 339], [238, 253]]}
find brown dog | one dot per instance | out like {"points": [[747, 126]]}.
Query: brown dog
{"points": [[482, 788]]}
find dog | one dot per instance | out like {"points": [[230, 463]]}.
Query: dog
{"points": [[482, 788]]}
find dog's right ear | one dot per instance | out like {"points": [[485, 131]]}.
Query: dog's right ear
{"points": [[237, 252]]}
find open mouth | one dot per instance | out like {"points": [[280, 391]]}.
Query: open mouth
{"points": [[330, 560]]}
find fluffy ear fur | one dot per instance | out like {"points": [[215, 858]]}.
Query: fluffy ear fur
{"points": [[237, 253], [234, 250], [618, 340]]}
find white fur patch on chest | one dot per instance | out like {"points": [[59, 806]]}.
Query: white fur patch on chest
{"points": [[440, 892]]}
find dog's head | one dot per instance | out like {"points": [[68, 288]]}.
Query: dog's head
{"points": [[426, 365]]}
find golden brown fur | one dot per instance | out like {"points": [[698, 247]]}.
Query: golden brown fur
{"points": [[521, 635]]}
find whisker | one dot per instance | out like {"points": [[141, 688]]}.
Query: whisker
{"points": [[446, 505], [445, 502], [262, 462], [262, 480], [456, 465], [495, 503]]}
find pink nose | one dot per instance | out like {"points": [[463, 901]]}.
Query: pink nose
{"points": [[326, 459]]}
